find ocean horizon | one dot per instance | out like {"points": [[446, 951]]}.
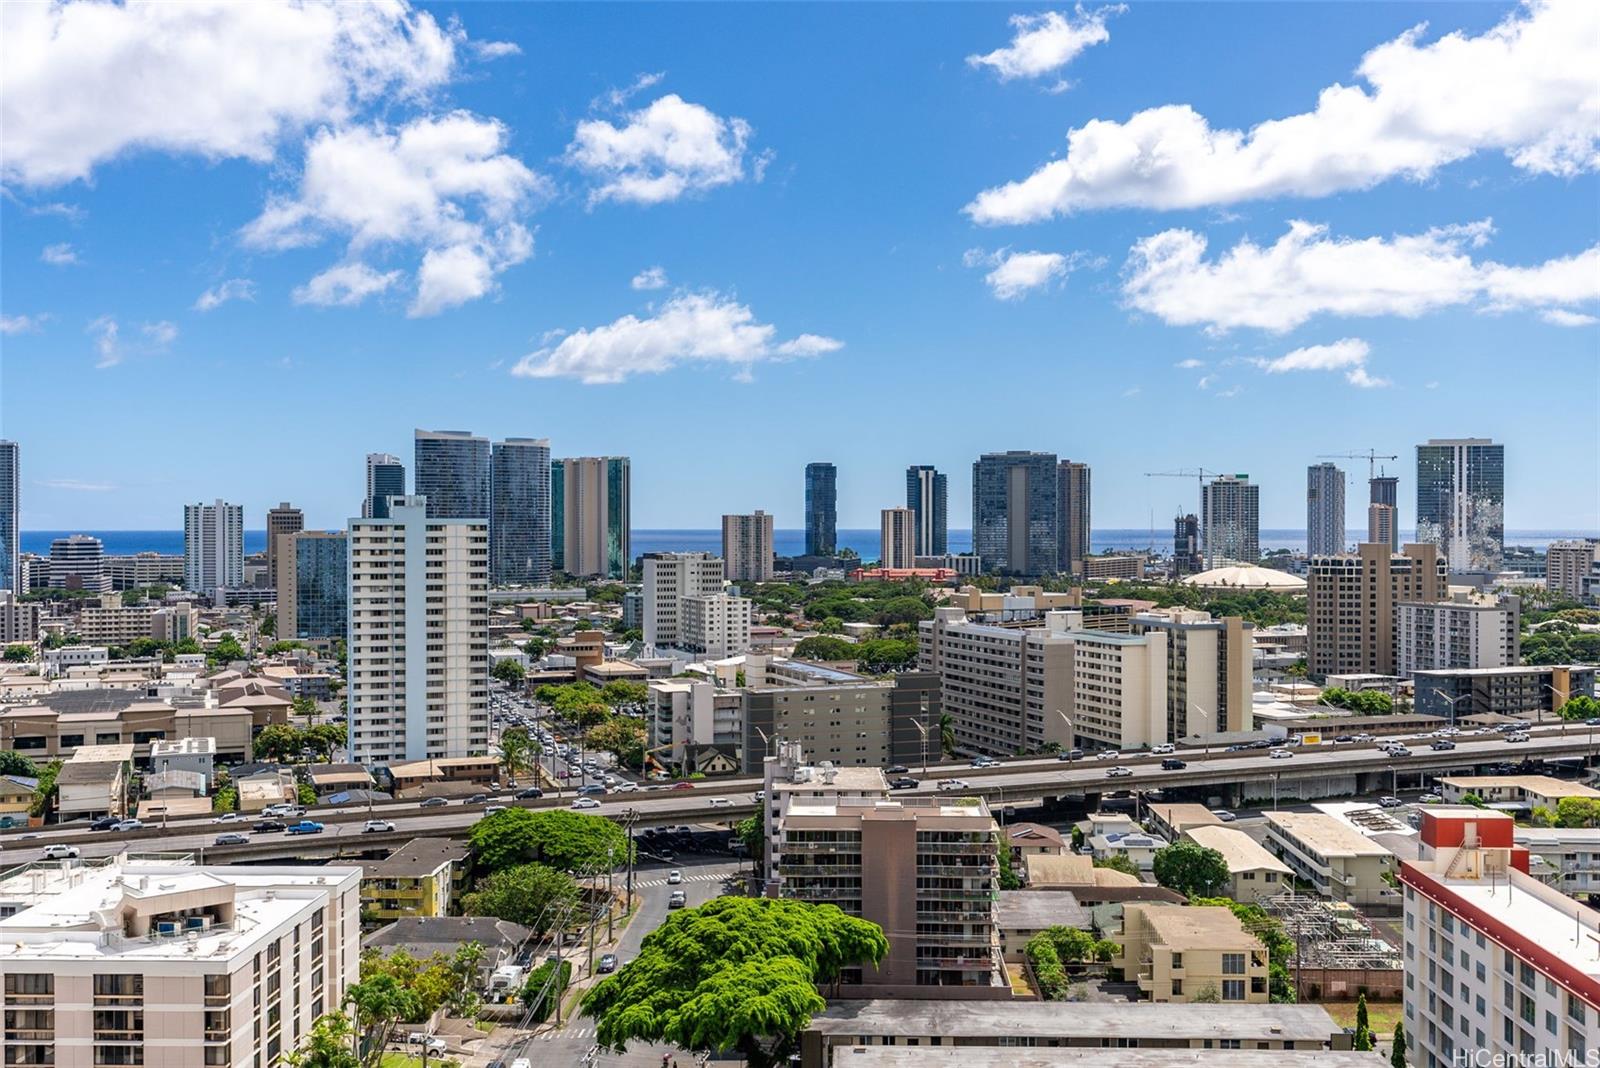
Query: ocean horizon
{"points": [[786, 542]]}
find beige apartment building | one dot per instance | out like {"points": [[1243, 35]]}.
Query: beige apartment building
{"points": [[19, 620], [897, 538], [66, 722], [1567, 565], [419, 636], [1351, 601], [173, 965], [1210, 670], [1464, 632], [1253, 872], [1180, 952], [110, 622], [747, 547], [848, 720], [1119, 689], [1338, 861], [922, 868]]}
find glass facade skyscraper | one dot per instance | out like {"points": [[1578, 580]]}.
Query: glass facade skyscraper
{"points": [[519, 520], [926, 496], [1015, 512], [1461, 493], [386, 477], [1324, 510], [822, 509], [1230, 521], [321, 586], [10, 512], [452, 472]]}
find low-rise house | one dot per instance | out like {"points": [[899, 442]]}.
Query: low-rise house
{"points": [[94, 782], [1034, 838], [411, 774], [1338, 861], [1019, 915], [265, 788], [174, 784], [329, 779], [198, 755], [418, 879], [1180, 953], [1253, 872], [16, 796], [423, 936], [1170, 820], [1513, 791]]}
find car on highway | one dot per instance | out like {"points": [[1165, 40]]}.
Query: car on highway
{"points": [[1070, 754], [1118, 772], [266, 826], [678, 900], [1173, 764], [1158, 750], [674, 877], [984, 762], [585, 802], [104, 823], [228, 817], [1397, 750], [626, 788], [1519, 736], [434, 802], [522, 1062], [1442, 744], [594, 789], [681, 786], [954, 784], [719, 802], [1107, 754], [478, 799], [896, 769], [608, 964], [531, 793], [1282, 754], [60, 852], [1344, 739], [378, 827], [1224, 815], [230, 838], [123, 826], [490, 810], [1390, 802], [304, 827], [905, 782]]}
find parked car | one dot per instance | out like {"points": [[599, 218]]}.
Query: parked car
{"points": [[678, 900], [903, 783], [267, 826], [1118, 772], [608, 963], [1224, 815], [1282, 754], [304, 827], [1390, 802], [674, 877], [60, 852], [585, 802], [378, 827], [230, 838], [1429, 799], [1173, 764]]}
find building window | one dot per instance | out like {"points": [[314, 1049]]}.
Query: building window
{"points": [[1233, 964], [1233, 990]]}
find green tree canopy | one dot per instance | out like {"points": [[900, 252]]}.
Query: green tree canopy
{"points": [[902, 610], [14, 763], [561, 838], [329, 1044], [621, 692], [879, 655], [750, 833], [1578, 812], [533, 647], [277, 741], [1397, 1052], [1191, 869], [1118, 862], [619, 735], [736, 973], [226, 652], [518, 750], [824, 648], [533, 895], [509, 672], [1581, 707], [18, 654]]}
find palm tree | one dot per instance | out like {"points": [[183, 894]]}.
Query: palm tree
{"points": [[947, 734], [517, 751]]}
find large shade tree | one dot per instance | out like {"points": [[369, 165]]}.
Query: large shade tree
{"points": [[734, 974], [559, 838]]}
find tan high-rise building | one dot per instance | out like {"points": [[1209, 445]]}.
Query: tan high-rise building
{"points": [[1350, 606], [589, 516], [282, 520], [1380, 524], [1567, 565], [897, 538], [419, 636], [747, 547], [162, 962], [1210, 669]]}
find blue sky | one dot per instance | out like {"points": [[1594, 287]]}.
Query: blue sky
{"points": [[848, 269]]}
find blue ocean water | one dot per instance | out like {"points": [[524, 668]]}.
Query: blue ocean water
{"points": [[785, 542]]}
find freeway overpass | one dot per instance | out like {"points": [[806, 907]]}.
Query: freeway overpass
{"points": [[1327, 770]]}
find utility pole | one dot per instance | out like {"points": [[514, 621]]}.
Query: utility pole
{"points": [[611, 867], [630, 817]]}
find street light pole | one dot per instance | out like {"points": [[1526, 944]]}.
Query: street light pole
{"points": [[922, 729]]}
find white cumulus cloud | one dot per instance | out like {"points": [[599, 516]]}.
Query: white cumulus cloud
{"points": [[690, 328], [1525, 87], [1046, 42], [59, 255], [343, 286], [1014, 275], [1190, 364], [1307, 273], [661, 152], [1562, 317], [83, 82], [22, 324], [495, 49], [1347, 354], [232, 289], [650, 278], [444, 185], [111, 348]]}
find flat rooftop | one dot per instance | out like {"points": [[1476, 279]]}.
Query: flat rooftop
{"points": [[851, 779], [1034, 910], [1545, 917], [1180, 814], [1537, 784], [418, 858], [1325, 834], [1085, 1057], [1242, 852], [1060, 1019], [1191, 927], [869, 807]]}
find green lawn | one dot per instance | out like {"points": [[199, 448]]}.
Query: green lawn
{"points": [[1381, 1015]]}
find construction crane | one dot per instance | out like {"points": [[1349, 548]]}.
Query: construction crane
{"points": [[1372, 456], [1198, 473]]}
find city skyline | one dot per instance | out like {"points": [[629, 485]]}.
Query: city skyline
{"points": [[803, 262]]}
